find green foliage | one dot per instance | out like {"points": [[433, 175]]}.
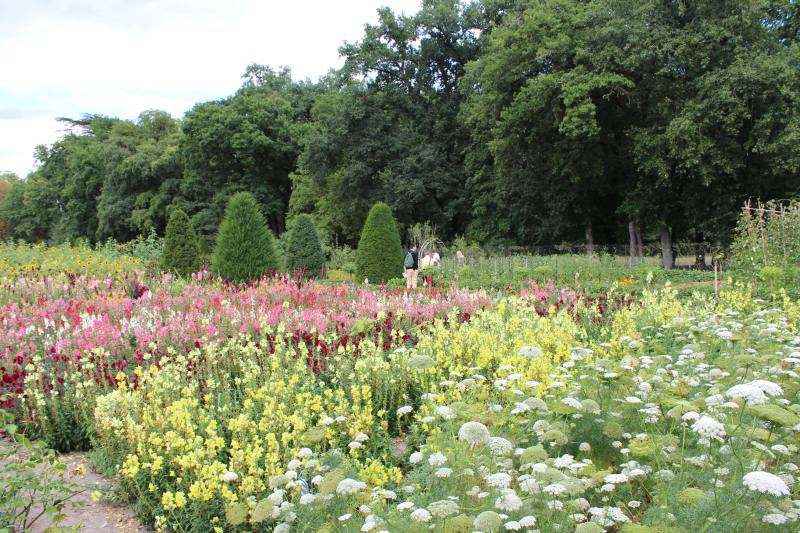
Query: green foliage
{"points": [[380, 253], [304, 251], [181, 252], [245, 248], [32, 483]]}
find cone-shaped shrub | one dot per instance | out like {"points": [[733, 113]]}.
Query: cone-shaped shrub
{"points": [[304, 251], [244, 250], [380, 254], [181, 251]]}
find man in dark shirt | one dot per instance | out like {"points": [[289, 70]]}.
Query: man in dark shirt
{"points": [[413, 270]]}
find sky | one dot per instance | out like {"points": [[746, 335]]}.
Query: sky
{"points": [[64, 58]]}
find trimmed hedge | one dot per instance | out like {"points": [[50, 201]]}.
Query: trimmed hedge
{"points": [[181, 251], [245, 249], [304, 251], [380, 253]]}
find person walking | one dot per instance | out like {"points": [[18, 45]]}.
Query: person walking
{"points": [[411, 264]]}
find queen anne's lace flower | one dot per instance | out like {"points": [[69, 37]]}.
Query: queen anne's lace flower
{"points": [[500, 480], [443, 508], [474, 433], [437, 459], [230, 477], [751, 394], [709, 428], [769, 388], [500, 446], [349, 486], [774, 519], [531, 352], [765, 483], [509, 501], [421, 515]]}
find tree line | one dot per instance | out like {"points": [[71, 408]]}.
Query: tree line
{"points": [[510, 122]]}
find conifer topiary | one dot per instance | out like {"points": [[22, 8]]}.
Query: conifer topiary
{"points": [[245, 249], [181, 253], [380, 253], [304, 252]]}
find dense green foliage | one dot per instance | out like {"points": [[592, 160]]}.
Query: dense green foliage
{"points": [[304, 251], [245, 248], [508, 121], [180, 250], [380, 254]]}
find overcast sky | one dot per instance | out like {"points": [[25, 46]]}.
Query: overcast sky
{"points": [[63, 58]]}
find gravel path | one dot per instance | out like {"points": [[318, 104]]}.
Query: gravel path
{"points": [[93, 517]]}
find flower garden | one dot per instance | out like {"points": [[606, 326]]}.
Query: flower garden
{"points": [[290, 405]]}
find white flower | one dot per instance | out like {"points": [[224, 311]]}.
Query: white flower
{"points": [[304, 453], [564, 461], [404, 410], [421, 515], [774, 518], [345, 517], [361, 437], [501, 480], [405, 505], [349, 486], [530, 485], [513, 526], [555, 489], [316, 480], [354, 445], [443, 508], [508, 501], [230, 477], [633, 399], [415, 458], [500, 446], [724, 334], [769, 388], [690, 416], [445, 412], [327, 421], [751, 394], [527, 521], [474, 433], [307, 499], [531, 352], [616, 478], [572, 402], [437, 459], [444, 472], [585, 447], [766, 483], [709, 428]]}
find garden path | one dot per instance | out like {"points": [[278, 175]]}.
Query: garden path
{"points": [[93, 517]]}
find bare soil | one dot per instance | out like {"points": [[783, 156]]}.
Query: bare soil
{"points": [[92, 517]]}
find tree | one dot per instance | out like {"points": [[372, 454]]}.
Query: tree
{"points": [[181, 252], [380, 254], [304, 251], [247, 142], [7, 181], [245, 249]]}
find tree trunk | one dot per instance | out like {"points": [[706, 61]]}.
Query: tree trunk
{"points": [[632, 236], [589, 238], [639, 247], [666, 245]]}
